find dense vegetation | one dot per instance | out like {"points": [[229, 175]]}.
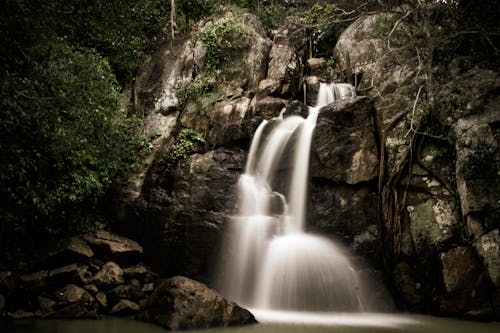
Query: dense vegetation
{"points": [[63, 138]]}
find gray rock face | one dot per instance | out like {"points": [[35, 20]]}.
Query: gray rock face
{"points": [[344, 147], [74, 302], [180, 303], [286, 58], [431, 223]]}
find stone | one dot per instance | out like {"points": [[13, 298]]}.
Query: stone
{"points": [[102, 299], [316, 66], [431, 224], [312, 84], [124, 307], [46, 305], [21, 314], [91, 288], [460, 268], [267, 107], [35, 281], [360, 52], [285, 57], [406, 284], [180, 303], [268, 87], [343, 147], [110, 275], [139, 271], [115, 247], [73, 294], [488, 248], [228, 119], [189, 230], [68, 251], [82, 276], [477, 165], [63, 274], [342, 210], [125, 291]]}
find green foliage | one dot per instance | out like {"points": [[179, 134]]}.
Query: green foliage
{"points": [[224, 40], [62, 136], [183, 146], [192, 91]]}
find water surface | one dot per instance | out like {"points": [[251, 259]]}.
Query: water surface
{"points": [[342, 324]]}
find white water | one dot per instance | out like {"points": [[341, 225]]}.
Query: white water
{"points": [[273, 264]]}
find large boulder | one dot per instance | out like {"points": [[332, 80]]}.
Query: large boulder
{"points": [[460, 268], [74, 302], [180, 304], [188, 228], [344, 148]]}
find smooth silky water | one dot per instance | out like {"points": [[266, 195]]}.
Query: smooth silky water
{"points": [[270, 264]]}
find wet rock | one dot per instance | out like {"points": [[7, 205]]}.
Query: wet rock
{"points": [[46, 305], [460, 268], [124, 307], [312, 84], [488, 248], [285, 57], [82, 276], [125, 292], [344, 147], [432, 223], [110, 275], [180, 303], [115, 247]]}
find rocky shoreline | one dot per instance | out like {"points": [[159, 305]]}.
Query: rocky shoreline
{"points": [[103, 274]]}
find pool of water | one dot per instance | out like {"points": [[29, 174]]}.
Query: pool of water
{"points": [[271, 322]]}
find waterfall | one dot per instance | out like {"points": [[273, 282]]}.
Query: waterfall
{"points": [[272, 262]]}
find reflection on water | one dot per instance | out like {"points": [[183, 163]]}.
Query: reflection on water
{"points": [[319, 323]]}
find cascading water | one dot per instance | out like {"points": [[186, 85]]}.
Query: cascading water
{"points": [[273, 264]]}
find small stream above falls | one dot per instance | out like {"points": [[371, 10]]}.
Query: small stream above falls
{"points": [[272, 263]]}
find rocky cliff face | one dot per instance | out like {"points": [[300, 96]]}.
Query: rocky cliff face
{"points": [[421, 181], [177, 207], [439, 179]]}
